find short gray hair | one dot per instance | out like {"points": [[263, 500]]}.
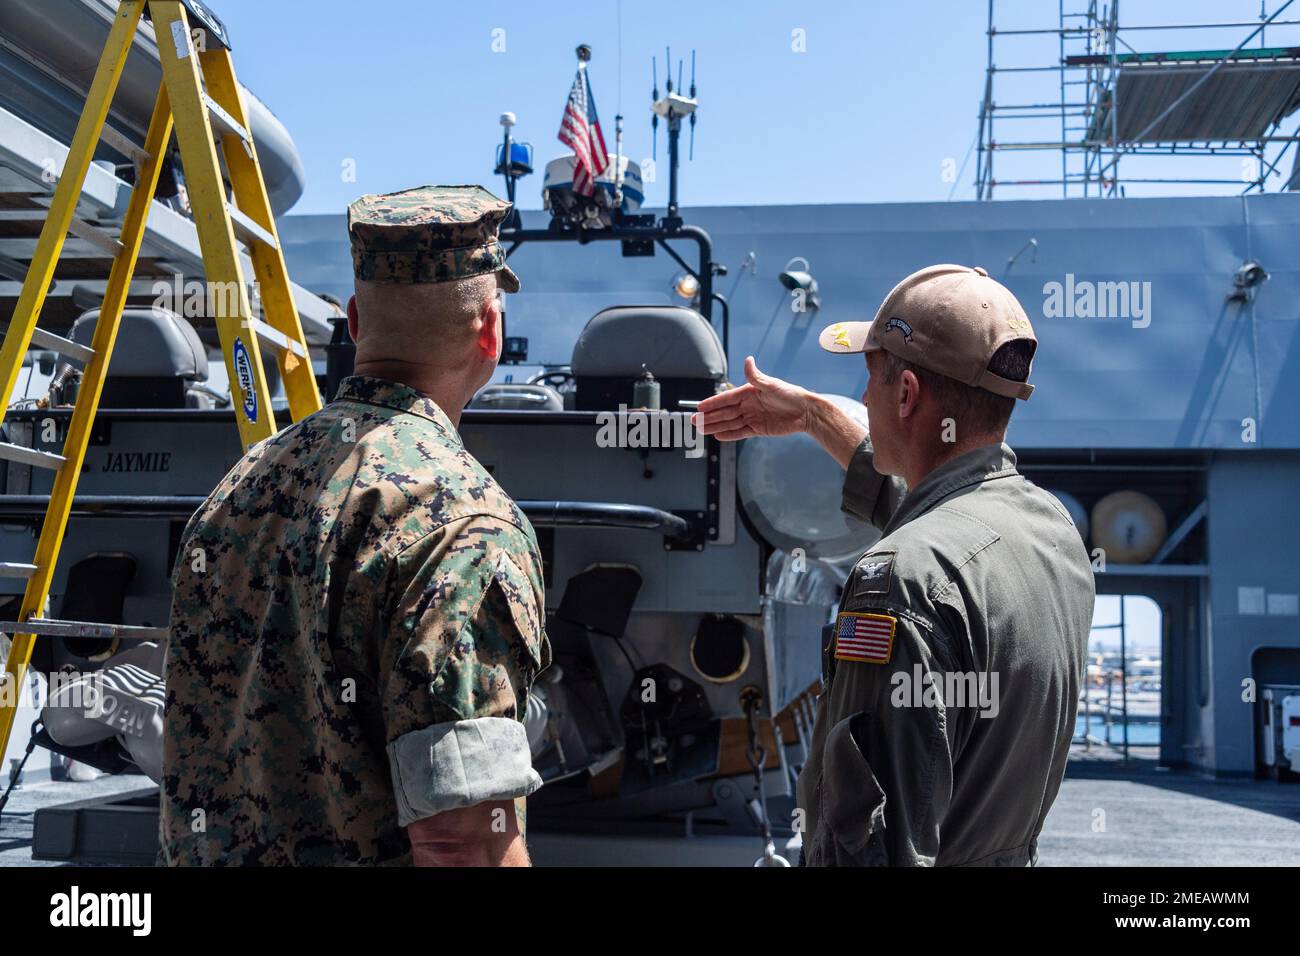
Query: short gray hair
{"points": [[976, 410]]}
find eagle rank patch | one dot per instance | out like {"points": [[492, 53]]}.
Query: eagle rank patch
{"points": [[874, 573]]}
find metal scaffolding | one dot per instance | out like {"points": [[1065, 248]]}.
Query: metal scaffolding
{"points": [[1115, 101]]}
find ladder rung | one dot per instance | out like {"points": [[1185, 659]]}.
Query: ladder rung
{"points": [[249, 231], [95, 236], [57, 343], [124, 146], [277, 339], [14, 569], [223, 121], [49, 628], [30, 456]]}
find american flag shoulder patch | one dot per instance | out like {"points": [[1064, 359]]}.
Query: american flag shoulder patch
{"points": [[867, 638]]}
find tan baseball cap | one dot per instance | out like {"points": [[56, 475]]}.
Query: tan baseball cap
{"points": [[945, 318]]}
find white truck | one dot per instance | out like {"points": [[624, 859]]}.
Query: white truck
{"points": [[1281, 730]]}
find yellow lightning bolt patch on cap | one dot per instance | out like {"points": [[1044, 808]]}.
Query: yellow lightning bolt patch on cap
{"points": [[949, 319], [846, 337]]}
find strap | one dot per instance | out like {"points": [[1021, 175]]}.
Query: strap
{"points": [[1004, 386]]}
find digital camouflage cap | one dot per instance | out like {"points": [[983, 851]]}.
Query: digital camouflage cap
{"points": [[429, 234]]}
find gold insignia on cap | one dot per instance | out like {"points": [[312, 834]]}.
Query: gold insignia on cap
{"points": [[841, 335]]}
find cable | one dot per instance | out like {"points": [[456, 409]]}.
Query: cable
{"points": [[619, 641], [18, 771], [957, 179]]}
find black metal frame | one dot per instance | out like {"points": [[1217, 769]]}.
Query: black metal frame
{"points": [[659, 233], [120, 829], [675, 528]]}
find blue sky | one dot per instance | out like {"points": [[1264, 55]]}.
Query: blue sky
{"points": [[880, 105]]}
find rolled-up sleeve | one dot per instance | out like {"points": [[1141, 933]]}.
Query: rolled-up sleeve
{"points": [[466, 641], [868, 495], [459, 764]]}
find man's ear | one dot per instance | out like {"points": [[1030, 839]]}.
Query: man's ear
{"points": [[909, 393], [352, 317], [489, 332]]}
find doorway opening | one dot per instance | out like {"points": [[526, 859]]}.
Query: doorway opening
{"points": [[1120, 703]]}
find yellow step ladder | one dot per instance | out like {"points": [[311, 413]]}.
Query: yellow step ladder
{"points": [[200, 97]]}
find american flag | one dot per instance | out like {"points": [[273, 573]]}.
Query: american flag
{"points": [[580, 131], [868, 638]]}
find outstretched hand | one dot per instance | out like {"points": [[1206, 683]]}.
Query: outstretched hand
{"points": [[763, 406]]}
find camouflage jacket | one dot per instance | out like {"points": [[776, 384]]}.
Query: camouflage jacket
{"points": [[358, 615]]}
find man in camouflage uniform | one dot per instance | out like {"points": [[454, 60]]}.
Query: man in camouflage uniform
{"points": [[358, 608], [951, 678]]}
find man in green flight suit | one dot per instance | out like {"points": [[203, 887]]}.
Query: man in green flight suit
{"points": [[952, 677]]}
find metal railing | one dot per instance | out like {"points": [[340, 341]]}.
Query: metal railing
{"points": [[1093, 51]]}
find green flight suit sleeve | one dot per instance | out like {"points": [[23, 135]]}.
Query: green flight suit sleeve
{"points": [[465, 640], [868, 495], [887, 770]]}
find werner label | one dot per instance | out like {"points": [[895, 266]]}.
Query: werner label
{"points": [[244, 379]]}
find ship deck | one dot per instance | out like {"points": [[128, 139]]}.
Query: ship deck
{"points": [[1108, 813]]}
